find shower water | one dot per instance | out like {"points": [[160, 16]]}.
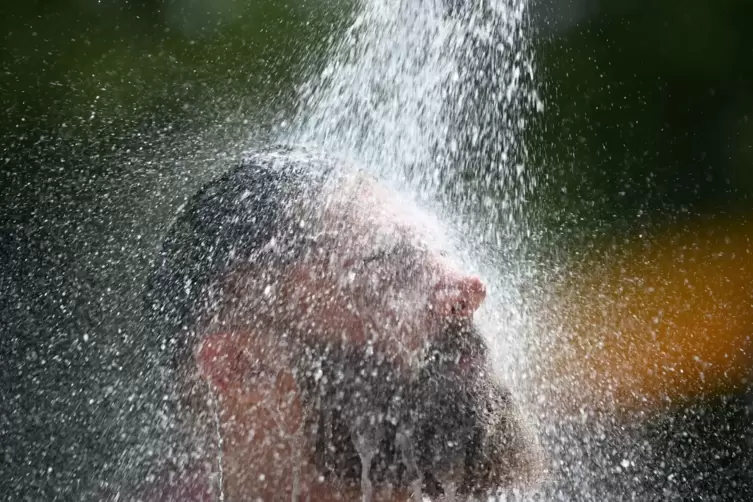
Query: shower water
{"points": [[434, 97]]}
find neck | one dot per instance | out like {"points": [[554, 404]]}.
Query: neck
{"points": [[263, 453], [262, 461]]}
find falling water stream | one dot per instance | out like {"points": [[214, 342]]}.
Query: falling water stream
{"points": [[433, 97]]}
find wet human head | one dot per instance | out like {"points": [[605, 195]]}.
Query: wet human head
{"points": [[336, 335]]}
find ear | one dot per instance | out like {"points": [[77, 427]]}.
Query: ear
{"points": [[220, 359]]}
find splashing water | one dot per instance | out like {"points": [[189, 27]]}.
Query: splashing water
{"points": [[433, 97], [409, 460], [450, 491], [427, 92], [220, 469], [366, 454], [366, 443]]}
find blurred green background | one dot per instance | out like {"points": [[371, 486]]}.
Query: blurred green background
{"points": [[648, 121], [83, 78], [648, 103], [650, 107]]}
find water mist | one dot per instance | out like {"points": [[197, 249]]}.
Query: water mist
{"points": [[433, 97]]}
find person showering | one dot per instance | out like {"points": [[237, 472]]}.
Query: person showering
{"points": [[324, 345]]}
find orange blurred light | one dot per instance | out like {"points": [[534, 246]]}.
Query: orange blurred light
{"points": [[655, 321]]}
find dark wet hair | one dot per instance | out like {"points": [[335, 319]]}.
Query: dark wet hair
{"points": [[243, 217]]}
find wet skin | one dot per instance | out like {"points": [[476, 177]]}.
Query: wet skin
{"points": [[375, 289]]}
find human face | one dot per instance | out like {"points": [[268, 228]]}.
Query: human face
{"points": [[377, 274], [393, 374]]}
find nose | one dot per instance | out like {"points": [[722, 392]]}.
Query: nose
{"points": [[458, 296]]}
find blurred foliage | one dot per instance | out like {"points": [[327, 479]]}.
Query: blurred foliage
{"points": [[88, 76], [649, 111], [648, 103], [69, 62]]}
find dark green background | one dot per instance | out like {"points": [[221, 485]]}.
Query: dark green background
{"points": [[650, 108], [648, 104], [112, 110]]}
